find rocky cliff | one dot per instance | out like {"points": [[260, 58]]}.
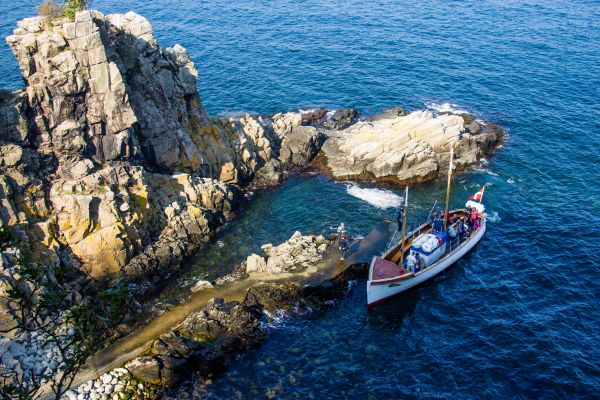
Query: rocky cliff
{"points": [[109, 160], [110, 163]]}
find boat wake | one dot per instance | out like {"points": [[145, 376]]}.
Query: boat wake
{"points": [[379, 198]]}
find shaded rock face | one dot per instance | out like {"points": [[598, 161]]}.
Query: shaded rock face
{"points": [[122, 219], [206, 341], [101, 88], [387, 113], [407, 148], [341, 119]]}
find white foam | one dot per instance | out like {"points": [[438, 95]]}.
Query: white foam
{"points": [[493, 217], [307, 110], [446, 107], [379, 198], [510, 180], [487, 171]]}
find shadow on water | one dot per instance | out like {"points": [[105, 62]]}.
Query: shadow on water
{"points": [[390, 314], [330, 267]]}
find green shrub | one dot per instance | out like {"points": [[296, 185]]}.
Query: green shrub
{"points": [[72, 7], [50, 10]]}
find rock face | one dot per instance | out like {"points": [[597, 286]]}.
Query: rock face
{"points": [[206, 341], [294, 255], [108, 159], [407, 148]]}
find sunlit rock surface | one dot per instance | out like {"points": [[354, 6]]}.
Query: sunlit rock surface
{"points": [[407, 148]]}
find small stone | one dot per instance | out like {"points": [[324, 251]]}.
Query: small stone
{"points": [[201, 285], [71, 395]]}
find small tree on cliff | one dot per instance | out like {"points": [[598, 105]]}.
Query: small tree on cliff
{"points": [[51, 10], [40, 301], [72, 7]]}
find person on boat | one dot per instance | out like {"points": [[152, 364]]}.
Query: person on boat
{"points": [[437, 224], [461, 228], [419, 262], [436, 215], [343, 244], [474, 218], [467, 227], [400, 219], [411, 260], [452, 231]]}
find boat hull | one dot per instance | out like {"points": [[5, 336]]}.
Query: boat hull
{"points": [[378, 292]]}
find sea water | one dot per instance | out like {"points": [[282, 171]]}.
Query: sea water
{"points": [[518, 317]]}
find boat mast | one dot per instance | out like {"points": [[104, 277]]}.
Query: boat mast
{"points": [[404, 227], [450, 167]]}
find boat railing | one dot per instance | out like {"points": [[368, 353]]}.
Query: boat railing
{"points": [[453, 243]]}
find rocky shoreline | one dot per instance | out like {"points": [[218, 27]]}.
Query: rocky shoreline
{"points": [[110, 167], [208, 340]]}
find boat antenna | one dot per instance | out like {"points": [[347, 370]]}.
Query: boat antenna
{"points": [[431, 211], [403, 227], [450, 167]]}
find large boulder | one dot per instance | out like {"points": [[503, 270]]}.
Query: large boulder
{"points": [[146, 369], [386, 113], [406, 148], [296, 254], [342, 118]]}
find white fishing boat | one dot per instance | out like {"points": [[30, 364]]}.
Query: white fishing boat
{"points": [[434, 249]]}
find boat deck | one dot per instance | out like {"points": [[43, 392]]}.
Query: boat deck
{"points": [[383, 269]]}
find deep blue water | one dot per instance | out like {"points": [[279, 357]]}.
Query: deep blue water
{"points": [[519, 317]]}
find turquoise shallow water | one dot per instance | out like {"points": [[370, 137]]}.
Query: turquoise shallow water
{"points": [[519, 317]]}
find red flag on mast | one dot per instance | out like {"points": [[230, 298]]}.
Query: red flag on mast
{"points": [[478, 196]]}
